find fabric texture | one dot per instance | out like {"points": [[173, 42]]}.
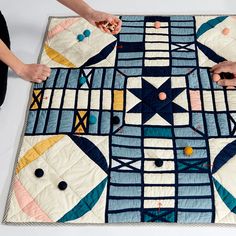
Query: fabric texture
{"points": [[4, 36], [105, 134]]}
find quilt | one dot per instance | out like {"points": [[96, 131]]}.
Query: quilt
{"points": [[130, 128]]}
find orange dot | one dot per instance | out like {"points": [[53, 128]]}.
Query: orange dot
{"points": [[225, 31], [162, 96], [216, 77], [157, 24]]}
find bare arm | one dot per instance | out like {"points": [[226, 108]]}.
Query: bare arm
{"points": [[96, 18]]}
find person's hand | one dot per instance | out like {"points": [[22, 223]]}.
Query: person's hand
{"points": [[98, 18], [34, 72], [225, 67]]}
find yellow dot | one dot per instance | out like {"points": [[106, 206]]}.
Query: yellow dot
{"points": [[188, 151]]}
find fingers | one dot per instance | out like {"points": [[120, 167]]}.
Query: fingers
{"points": [[118, 27], [227, 83]]}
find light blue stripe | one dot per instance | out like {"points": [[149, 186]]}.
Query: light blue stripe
{"points": [[124, 55], [179, 18], [73, 79], [120, 115], [93, 128], [108, 78], [105, 122], [194, 191], [197, 178], [132, 18], [118, 140], [131, 38], [66, 121], [186, 132], [119, 81], [195, 203], [125, 177], [41, 121], [97, 78], [197, 119], [183, 54], [223, 123], [132, 23], [131, 71], [50, 80], [211, 124], [205, 80], [126, 152], [182, 39], [132, 131], [190, 142], [132, 30], [130, 63], [52, 121], [193, 79], [182, 24], [194, 217], [197, 153], [132, 216], [123, 204], [182, 31], [61, 79], [129, 191], [179, 71], [31, 122], [182, 62]]}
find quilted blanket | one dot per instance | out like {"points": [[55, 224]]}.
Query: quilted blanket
{"points": [[130, 128]]}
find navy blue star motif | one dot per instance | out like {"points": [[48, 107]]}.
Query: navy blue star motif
{"points": [[151, 104]]}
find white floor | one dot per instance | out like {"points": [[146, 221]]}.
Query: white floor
{"points": [[27, 20]]}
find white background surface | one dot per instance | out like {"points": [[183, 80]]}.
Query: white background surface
{"points": [[27, 20]]}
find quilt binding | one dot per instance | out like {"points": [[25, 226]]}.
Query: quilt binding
{"points": [[9, 195]]}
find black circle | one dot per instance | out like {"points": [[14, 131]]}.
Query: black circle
{"points": [[39, 173], [159, 162], [115, 120], [62, 185]]}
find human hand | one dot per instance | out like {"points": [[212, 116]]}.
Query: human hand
{"points": [[99, 19], [34, 72], [225, 67]]}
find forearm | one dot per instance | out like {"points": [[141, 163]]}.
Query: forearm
{"points": [[9, 58], [78, 6]]}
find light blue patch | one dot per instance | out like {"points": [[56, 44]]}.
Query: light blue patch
{"points": [[223, 123], [125, 177], [131, 216], [123, 204], [41, 121], [126, 152], [125, 55], [132, 18], [194, 191], [131, 71], [193, 79], [130, 63], [73, 79], [129, 191], [93, 128], [197, 178], [182, 39], [205, 80], [61, 79], [182, 62], [181, 18], [118, 140], [179, 71], [52, 121], [197, 121], [49, 82], [126, 23], [97, 78], [131, 38], [66, 121], [130, 130], [211, 124], [195, 203], [108, 78], [105, 122], [31, 122], [198, 153], [183, 54], [132, 30], [182, 24], [194, 217], [182, 31], [186, 132], [119, 81], [190, 142], [120, 115]]}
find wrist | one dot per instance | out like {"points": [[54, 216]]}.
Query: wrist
{"points": [[18, 68]]}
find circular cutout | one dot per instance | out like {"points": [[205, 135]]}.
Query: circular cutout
{"points": [[226, 31], [80, 37], [188, 151], [157, 24], [92, 119], [82, 80], [162, 96], [39, 173], [62, 185], [87, 33]]}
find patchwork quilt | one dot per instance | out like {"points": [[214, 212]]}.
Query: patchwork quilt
{"points": [[105, 135]]}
